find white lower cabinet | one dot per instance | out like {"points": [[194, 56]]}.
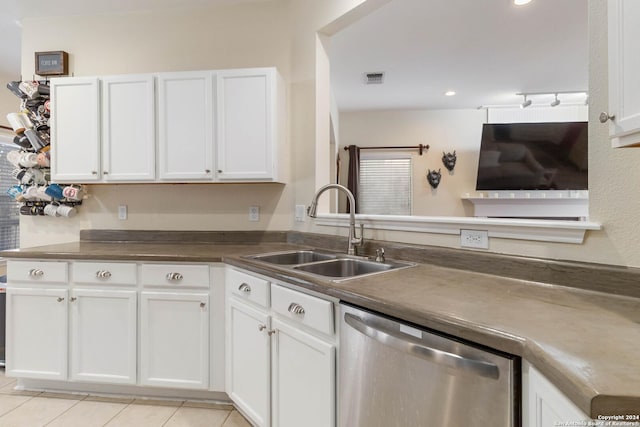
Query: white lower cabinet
{"points": [[174, 344], [281, 353], [36, 345], [248, 360], [103, 326], [303, 376], [543, 405]]}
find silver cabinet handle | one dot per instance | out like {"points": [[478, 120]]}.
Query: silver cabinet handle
{"points": [[296, 308], [174, 277], [271, 332], [203, 304], [60, 299], [103, 274], [94, 172], [73, 299], [416, 348], [36, 272], [604, 117], [207, 171], [244, 288], [262, 327], [105, 172]]}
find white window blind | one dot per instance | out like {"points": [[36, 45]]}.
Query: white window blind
{"points": [[385, 185], [9, 209]]}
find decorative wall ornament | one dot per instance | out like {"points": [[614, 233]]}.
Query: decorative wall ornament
{"points": [[449, 160], [434, 177]]}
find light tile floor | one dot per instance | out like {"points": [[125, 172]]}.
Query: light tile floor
{"points": [[32, 409]]}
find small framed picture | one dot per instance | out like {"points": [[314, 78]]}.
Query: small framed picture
{"points": [[54, 63]]}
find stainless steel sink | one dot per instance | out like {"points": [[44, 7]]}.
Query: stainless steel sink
{"points": [[294, 258], [344, 267], [333, 266]]}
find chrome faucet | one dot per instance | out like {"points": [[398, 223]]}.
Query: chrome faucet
{"points": [[353, 240]]}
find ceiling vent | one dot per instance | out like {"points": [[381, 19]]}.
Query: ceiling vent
{"points": [[374, 78]]}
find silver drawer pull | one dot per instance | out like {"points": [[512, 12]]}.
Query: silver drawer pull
{"points": [[271, 332], [296, 308], [262, 327], [36, 272], [174, 277], [103, 274], [60, 299], [203, 304], [244, 288], [73, 299]]}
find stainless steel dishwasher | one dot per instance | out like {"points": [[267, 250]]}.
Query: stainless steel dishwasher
{"points": [[396, 375]]}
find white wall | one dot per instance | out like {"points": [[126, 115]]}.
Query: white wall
{"points": [[258, 35], [9, 103], [247, 35], [442, 130]]}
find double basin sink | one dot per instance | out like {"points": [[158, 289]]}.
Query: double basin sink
{"points": [[329, 265]]}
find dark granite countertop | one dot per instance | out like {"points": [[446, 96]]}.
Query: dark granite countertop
{"points": [[585, 342]]}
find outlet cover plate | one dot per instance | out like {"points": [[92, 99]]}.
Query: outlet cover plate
{"points": [[477, 239], [254, 213]]}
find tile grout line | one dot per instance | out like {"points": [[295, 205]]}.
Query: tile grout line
{"points": [[118, 413], [172, 414], [11, 410], [66, 410]]}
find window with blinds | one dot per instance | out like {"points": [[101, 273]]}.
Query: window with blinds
{"points": [[9, 209], [385, 185]]}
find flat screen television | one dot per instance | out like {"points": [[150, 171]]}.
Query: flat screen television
{"points": [[533, 156]]}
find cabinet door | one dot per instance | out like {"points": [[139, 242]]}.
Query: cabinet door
{"points": [[624, 68], [75, 130], [543, 404], [103, 336], [185, 126], [174, 339], [248, 361], [128, 128], [37, 333], [303, 371], [246, 104]]}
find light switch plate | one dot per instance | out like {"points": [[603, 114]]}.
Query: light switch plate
{"points": [[122, 212], [254, 213]]}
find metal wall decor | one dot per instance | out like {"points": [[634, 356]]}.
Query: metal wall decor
{"points": [[434, 177], [449, 160]]}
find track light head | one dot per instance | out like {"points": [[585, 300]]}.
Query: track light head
{"points": [[556, 102], [526, 102]]}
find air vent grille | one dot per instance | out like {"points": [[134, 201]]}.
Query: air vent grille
{"points": [[376, 78]]}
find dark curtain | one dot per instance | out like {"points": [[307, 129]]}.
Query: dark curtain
{"points": [[353, 182]]}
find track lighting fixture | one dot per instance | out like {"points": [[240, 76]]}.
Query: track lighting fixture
{"points": [[556, 102], [526, 102]]}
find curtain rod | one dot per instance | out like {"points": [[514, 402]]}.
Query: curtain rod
{"points": [[419, 147]]}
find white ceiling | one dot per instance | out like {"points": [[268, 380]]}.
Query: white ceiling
{"points": [[485, 50]]}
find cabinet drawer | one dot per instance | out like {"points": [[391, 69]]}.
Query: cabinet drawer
{"points": [[313, 312], [112, 273], [175, 275], [37, 271], [248, 287]]}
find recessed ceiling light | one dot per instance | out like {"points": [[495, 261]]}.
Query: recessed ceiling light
{"points": [[450, 93], [521, 2]]}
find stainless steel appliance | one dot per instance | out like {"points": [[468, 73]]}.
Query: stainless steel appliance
{"points": [[396, 375]]}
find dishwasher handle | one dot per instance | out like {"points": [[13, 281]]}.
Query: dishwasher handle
{"points": [[394, 340]]}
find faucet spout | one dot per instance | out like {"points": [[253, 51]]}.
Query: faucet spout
{"points": [[313, 207]]}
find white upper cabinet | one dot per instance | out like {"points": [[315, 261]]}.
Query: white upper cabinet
{"points": [[247, 127], [624, 68], [192, 126], [128, 128], [185, 126], [75, 130]]}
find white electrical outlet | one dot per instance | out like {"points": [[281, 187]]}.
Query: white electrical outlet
{"points": [[300, 213], [122, 212], [477, 239], [254, 213]]}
